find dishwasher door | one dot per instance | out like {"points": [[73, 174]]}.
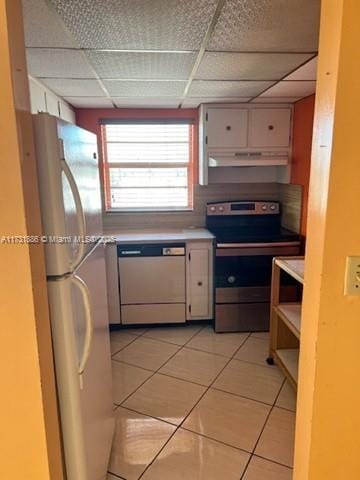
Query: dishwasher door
{"points": [[152, 284], [152, 280]]}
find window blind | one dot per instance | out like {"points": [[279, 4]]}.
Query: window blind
{"points": [[148, 165]]}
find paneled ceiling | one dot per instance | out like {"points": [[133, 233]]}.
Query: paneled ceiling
{"points": [[173, 53]]}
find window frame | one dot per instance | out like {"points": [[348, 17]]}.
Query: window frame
{"points": [[107, 165]]}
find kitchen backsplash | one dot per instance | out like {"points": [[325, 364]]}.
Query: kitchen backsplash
{"points": [[291, 201], [289, 195]]}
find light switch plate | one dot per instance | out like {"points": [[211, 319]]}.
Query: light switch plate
{"points": [[352, 276]]}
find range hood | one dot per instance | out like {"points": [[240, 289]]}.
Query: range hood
{"points": [[248, 159]]}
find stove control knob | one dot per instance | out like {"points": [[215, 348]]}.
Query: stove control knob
{"points": [[212, 209], [264, 207], [221, 209], [273, 207]]}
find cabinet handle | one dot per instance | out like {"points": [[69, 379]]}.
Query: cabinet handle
{"points": [[271, 127], [199, 284], [228, 127]]}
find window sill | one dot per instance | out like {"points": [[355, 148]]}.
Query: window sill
{"points": [[150, 210]]}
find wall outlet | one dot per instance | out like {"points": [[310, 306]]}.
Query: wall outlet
{"points": [[352, 276]]}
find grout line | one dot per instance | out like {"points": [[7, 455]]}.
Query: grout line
{"points": [[125, 407], [272, 461], [215, 440], [243, 396], [258, 364], [262, 430], [233, 446], [124, 346], [133, 365], [192, 409], [179, 426], [211, 386], [153, 373], [207, 389], [117, 476], [172, 343]]}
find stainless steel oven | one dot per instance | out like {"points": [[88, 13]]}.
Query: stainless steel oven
{"points": [[248, 236]]}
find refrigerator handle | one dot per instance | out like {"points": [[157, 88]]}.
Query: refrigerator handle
{"points": [[79, 282], [79, 212]]}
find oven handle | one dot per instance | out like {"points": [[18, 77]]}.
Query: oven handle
{"points": [[257, 245]]}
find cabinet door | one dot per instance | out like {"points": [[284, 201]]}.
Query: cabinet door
{"points": [[269, 127], [66, 113], [226, 128], [199, 282], [37, 98], [52, 104]]}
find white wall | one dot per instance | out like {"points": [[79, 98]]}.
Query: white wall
{"points": [[43, 100]]}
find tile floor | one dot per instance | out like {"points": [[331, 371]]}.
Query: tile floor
{"points": [[194, 405]]}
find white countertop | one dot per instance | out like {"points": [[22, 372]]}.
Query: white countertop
{"points": [[159, 235]]}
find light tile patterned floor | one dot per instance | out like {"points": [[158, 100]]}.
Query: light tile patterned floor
{"points": [[195, 405]]}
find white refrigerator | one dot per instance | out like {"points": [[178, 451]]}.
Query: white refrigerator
{"points": [[75, 264]]}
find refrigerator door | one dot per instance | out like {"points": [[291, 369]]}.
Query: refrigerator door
{"points": [[69, 187], [78, 310]]}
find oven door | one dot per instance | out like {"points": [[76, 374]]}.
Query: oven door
{"points": [[243, 284]]}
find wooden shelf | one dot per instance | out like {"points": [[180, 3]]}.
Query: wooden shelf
{"points": [[292, 266], [290, 313], [288, 360], [285, 320]]}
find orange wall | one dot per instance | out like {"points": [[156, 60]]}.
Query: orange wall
{"points": [[328, 413], [301, 156], [89, 118]]}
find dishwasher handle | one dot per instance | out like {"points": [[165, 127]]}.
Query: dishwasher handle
{"points": [[173, 251]]}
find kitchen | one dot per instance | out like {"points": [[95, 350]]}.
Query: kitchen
{"points": [[178, 164]]}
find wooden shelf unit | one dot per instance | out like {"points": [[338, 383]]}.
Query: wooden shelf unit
{"points": [[285, 319]]}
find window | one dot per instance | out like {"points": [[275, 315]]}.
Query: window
{"points": [[148, 165]]}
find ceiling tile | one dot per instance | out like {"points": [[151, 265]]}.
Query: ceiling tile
{"points": [[207, 88], [74, 88], [43, 62], [137, 24], [248, 66], [306, 72], [291, 89], [126, 102], [90, 102], [268, 25], [128, 65], [275, 99], [43, 28], [120, 88], [195, 102]]}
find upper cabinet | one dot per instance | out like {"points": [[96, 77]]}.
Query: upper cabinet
{"points": [[226, 128], [269, 127], [242, 137], [42, 100]]}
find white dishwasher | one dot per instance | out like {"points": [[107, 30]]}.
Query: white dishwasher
{"points": [[152, 283]]}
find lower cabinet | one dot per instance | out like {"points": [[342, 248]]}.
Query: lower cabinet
{"points": [[199, 280]]}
